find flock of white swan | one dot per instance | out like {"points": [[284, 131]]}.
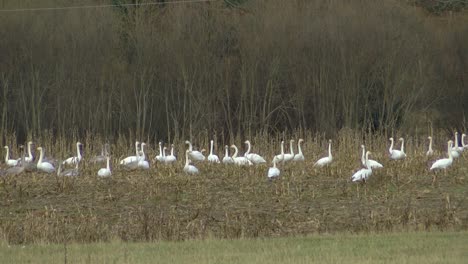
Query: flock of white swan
{"points": [[139, 160]]}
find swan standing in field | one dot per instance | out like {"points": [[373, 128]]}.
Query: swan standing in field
{"points": [[9, 162], [190, 169], [289, 156], [227, 159], [77, 158], [170, 158], [364, 173], [160, 157], [397, 154], [30, 157], [142, 155], [368, 162], [44, 166], [254, 158], [102, 157], [131, 159], [430, 152], [443, 163], [20, 168], [239, 160], [457, 147], [280, 157], [463, 141], [68, 173], [194, 154], [326, 160], [212, 157], [105, 172], [299, 156]]}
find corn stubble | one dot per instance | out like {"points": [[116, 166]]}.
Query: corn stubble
{"points": [[235, 202]]}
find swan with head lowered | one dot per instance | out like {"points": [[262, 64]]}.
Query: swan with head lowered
{"points": [[326, 160], [364, 173], [194, 154], [77, 158], [239, 160], [9, 162], [368, 162], [430, 152], [254, 158], [44, 165], [213, 158], [227, 159], [397, 154], [188, 168], [105, 172], [131, 159], [299, 156], [273, 172]]}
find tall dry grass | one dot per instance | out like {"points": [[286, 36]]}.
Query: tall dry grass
{"points": [[210, 69]]}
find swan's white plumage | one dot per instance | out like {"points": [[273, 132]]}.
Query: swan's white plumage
{"points": [[212, 157], [326, 160], [105, 172], [372, 163], [397, 154], [299, 156], [188, 168], [194, 154], [444, 163], [76, 159], [44, 166], [253, 157], [242, 161], [364, 173], [227, 159]]}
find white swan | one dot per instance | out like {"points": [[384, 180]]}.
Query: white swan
{"points": [[212, 157], [171, 158], [280, 157], [430, 152], [299, 156], [142, 155], [105, 172], [273, 172], [239, 160], [44, 166], [463, 141], [131, 159], [326, 160], [20, 168], [190, 169], [227, 159], [194, 154], [102, 157], [68, 173], [371, 163], [30, 157], [457, 146], [365, 173], [289, 156], [444, 163], [254, 158], [77, 158], [397, 154], [160, 157], [8, 161]]}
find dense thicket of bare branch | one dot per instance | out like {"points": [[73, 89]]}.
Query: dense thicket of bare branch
{"points": [[183, 70]]}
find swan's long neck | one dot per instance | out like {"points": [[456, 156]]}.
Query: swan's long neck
{"points": [[7, 155], [190, 146], [363, 158], [226, 151], [211, 147], [136, 148], [402, 146], [235, 152], [299, 150], [41, 155], [449, 150], [329, 150], [463, 140], [29, 150], [78, 153], [172, 150], [430, 144], [164, 154], [186, 158], [282, 149], [248, 149], [143, 151], [108, 163], [274, 163], [391, 145], [291, 147], [160, 150], [456, 140]]}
